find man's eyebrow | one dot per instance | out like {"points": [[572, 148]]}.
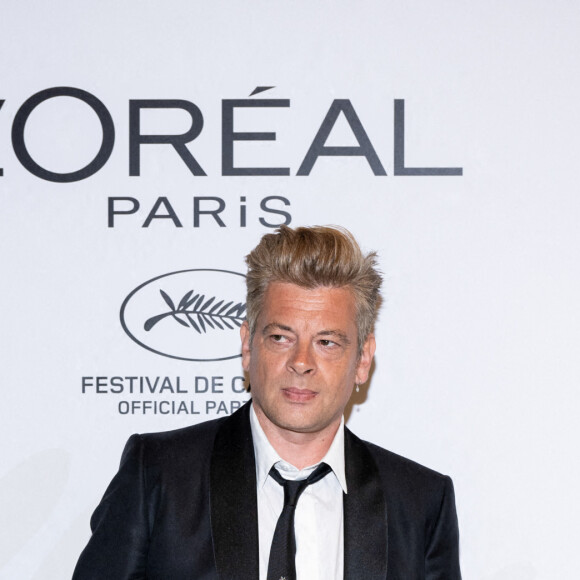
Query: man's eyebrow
{"points": [[339, 334], [275, 326], [342, 337]]}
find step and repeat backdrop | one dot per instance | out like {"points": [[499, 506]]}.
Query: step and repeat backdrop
{"points": [[145, 147]]}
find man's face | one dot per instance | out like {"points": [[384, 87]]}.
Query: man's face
{"points": [[303, 360]]}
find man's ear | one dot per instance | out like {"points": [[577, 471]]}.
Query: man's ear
{"points": [[245, 336], [366, 359]]}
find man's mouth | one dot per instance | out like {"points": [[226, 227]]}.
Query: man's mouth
{"points": [[297, 395]]}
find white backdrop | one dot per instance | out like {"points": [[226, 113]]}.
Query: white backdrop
{"points": [[477, 368]]}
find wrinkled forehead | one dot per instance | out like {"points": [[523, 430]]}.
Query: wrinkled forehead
{"points": [[288, 304]]}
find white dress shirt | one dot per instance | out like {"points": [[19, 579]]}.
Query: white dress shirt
{"points": [[319, 520]]}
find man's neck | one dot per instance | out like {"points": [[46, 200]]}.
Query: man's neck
{"points": [[300, 449]]}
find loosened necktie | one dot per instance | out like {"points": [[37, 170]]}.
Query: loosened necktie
{"points": [[281, 565]]}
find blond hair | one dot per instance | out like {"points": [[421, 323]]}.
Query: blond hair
{"points": [[312, 257]]}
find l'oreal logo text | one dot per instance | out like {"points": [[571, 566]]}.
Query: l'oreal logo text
{"points": [[230, 136]]}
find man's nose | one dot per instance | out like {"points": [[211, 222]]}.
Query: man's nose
{"points": [[302, 360]]}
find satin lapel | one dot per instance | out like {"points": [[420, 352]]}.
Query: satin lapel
{"points": [[234, 510], [365, 515]]}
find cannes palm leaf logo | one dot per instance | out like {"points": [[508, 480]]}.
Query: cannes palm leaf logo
{"points": [[196, 312]]}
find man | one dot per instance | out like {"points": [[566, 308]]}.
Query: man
{"points": [[281, 489]]}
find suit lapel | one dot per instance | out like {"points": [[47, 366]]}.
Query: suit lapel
{"points": [[234, 509], [365, 515]]}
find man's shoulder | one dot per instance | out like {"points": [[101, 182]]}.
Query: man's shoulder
{"points": [[192, 444], [201, 431], [186, 444], [392, 461], [400, 473]]}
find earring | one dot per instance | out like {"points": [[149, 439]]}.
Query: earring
{"points": [[357, 387]]}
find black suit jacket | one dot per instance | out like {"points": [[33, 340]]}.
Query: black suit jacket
{"points": [[183, 507]]}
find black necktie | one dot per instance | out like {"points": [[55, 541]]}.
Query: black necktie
{"points": [[281, 565]]}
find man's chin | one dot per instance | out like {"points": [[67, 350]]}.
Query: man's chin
{"points": [[295, 417], [301, 422]]}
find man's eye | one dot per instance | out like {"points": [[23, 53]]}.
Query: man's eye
{"points": [[326, 342], [278, 337]]}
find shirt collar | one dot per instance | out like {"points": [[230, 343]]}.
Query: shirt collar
{"points": [[266, 456]]}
